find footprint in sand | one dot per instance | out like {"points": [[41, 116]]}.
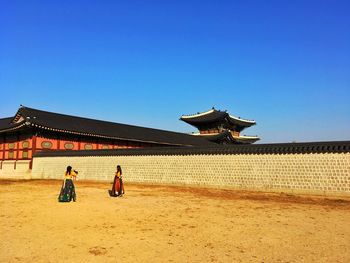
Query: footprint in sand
{"points": [[97, 250]]}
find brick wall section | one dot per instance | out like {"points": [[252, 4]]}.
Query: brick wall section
{"points": [[325, 173]]}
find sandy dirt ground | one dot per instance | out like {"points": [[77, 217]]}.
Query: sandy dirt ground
{"points": [[168, 224]]}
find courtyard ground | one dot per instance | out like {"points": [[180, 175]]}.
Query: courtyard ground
{"points": [[168, 224]]}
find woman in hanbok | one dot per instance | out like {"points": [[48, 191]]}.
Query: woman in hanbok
{"points": [[118, 186], [67, 193]]}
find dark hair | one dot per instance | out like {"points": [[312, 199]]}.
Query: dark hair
{"points": [[119, 169], [69, 169]]}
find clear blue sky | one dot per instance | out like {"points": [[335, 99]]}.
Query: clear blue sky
{"points": [[285, 64]]}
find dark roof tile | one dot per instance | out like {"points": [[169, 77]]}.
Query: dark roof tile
{"points": [[79, 125]]}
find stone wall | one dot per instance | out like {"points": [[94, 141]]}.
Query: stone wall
{"points": [[15, 169], [315, 172]]}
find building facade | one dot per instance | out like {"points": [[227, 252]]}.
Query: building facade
{"points": [[31, 130]]}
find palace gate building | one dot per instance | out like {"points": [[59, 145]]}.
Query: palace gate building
{"points": [[220, 127]]}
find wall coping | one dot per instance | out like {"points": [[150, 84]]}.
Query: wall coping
{"points": [[276, 148]]}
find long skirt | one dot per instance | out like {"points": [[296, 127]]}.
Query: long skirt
{"points": [[67, 193], [117, 187]]}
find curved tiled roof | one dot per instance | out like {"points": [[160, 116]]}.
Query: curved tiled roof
{"points": [[214, 115], [240, 122], [245, 139], [221, 136], [6, 124], [208, 116], [103, 129], [214, 137]]}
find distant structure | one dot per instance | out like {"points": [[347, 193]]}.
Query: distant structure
{"points": [[220, 127]]}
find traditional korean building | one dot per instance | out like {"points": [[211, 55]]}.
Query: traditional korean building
{"points": [[31, 130], [220, 127]]}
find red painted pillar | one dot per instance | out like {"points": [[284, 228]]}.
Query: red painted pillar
{"points": [[58, 142], [3, 149], [33, 151], [17, 151]]}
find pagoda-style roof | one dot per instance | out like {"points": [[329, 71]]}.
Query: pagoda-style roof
{"points": [[95, 128], [240, 122], [225, 136], [243, 139], [212, 115], [215, 137], [214, 118]]}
